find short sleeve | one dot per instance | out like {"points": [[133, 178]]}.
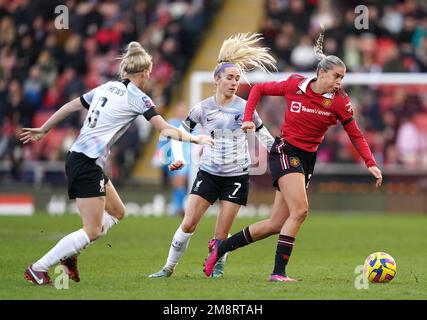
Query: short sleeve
{"points": [[196, 114], [194, 117], [144, 105], [140, 102], [86, 98]]}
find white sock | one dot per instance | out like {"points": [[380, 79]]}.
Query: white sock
{"points": [[179, 245], [66, 247], [223, 258], [108, 222]]}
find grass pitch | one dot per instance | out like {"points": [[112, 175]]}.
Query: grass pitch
{"points": [[327, 251]]}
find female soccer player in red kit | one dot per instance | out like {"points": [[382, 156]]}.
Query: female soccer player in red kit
{"points": [[313, 105]]}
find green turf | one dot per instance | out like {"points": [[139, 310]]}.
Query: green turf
{"points": [[329, 247]]}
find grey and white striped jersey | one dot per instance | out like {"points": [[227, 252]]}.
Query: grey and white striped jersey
{"points": [[230, 155], [111, 109]]}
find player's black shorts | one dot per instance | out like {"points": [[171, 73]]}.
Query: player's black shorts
{"points": [[85, 178], [286, 158], [212, 187]]}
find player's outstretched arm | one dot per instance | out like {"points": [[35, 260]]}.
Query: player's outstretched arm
{"points": [[364, 150], [35, 134], [178, 156], [174, 133], [257, 91]]}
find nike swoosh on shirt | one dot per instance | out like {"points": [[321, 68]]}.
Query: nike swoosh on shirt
{"points": [[209, 120]]}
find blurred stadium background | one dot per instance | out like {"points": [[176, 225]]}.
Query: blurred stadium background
{"points": [[42, 67]]}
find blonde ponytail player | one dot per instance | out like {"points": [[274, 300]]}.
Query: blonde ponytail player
{"points": [[224, 168]]}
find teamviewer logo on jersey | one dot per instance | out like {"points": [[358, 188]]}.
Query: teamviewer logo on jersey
{"points": [[296, 106]]}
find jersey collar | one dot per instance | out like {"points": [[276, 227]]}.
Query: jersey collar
{"points": [[230, 103], [303, 86]]}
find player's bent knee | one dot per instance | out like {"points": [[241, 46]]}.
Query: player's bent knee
{"points": [[274, 228], [117, 212], [300, 215], [120, 213], [188, 227], [93, 233]]}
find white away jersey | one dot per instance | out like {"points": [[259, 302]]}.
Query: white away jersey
{"points": [[230, 155], [111, 109]]}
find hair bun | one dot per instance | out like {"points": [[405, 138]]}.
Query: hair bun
{"points": [[134, 60], [134, 48]]}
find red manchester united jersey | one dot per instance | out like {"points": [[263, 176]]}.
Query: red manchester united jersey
{"points": [[309, 115]]}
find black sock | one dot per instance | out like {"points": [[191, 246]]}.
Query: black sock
{"points": [[237, 240], [283, 252]]}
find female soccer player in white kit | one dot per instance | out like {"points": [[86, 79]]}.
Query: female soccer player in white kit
{"points": [[224, 168], [111, 109]]}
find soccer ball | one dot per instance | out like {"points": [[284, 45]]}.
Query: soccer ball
{"points": [[379, 267]]}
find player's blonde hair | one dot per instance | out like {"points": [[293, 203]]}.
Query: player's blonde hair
{"points": [[325, 62], [134, 60], [241, 51]]}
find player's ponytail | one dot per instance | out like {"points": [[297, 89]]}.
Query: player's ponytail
{"points": [[134, 60], [325, 62], [318, 48], [240, 51]]}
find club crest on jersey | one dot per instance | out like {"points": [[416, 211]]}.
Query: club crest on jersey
{"points": [[294, 162], [198, 183], [102, 185], [295, 106], [326, 102]]}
